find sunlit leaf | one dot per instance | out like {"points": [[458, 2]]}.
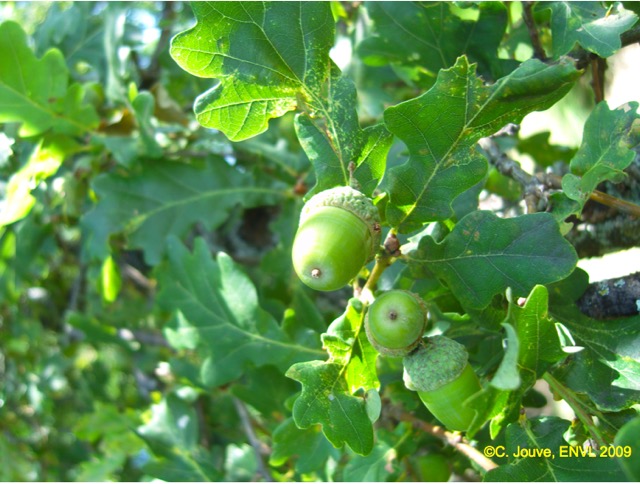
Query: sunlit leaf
{"points": [[442, 126], [484, 255]]}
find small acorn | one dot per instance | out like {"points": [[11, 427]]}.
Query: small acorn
{"points": [[395, 322], [439, 371], [339, 232]]}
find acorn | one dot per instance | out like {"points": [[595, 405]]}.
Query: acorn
{"points": [[339, 232], [439, 371], [395, 322]]}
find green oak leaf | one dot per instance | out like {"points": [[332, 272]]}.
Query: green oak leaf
{"points": [[484, 255], [329, 388], [273, 57], [309, 445], [172, 434], [547, 433], [442, 126], [428, 36], [629, 437], [165, 198], [262, 53], [532, 332], [608, 369], [592, 25], [608, 147], [539, 343], [35, 92], [347, 343], [375, 467], [507, 376], [220, 303], [326, 400]]}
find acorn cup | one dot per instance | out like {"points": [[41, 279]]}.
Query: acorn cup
{"points": [[439, 371], [339, 232], [395, 322]]}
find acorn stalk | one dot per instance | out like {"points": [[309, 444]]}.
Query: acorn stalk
{"points": [[439, 371]]}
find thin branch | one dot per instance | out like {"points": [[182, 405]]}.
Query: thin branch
{"points": [[555, 181], [531, 187], [598, 68], [527, 15], [612, 298], [614, 202], [453, 439], [253, 439]]}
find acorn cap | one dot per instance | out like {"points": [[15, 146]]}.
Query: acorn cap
{"points": [[353, 201], [440, 360]]}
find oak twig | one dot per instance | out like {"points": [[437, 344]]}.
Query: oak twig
{"points": [[453, 439], [527, 15], [612, 298], [253, 439]]}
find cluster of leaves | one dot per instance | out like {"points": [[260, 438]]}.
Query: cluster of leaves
{"points": [[151, 322]]}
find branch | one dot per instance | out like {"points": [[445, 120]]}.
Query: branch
{"points": [[455, 440], [612, 298], [527, 15], [532, 188], [253, 439]]}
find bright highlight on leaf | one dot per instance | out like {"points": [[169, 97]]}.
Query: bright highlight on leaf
{"points": [[593, 26], [265, 55], [273, 57], [35, 92]]}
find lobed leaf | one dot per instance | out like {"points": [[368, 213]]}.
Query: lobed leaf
{"points": [[270, 58], [326, 400], [547, 433], [484, 255], [608, 147], [35, 92], [430, 37], [221, 312], [165, 199], [328, 388], [533, 338], [590, 24], [442, 126], [278, 48], [608, 368]]}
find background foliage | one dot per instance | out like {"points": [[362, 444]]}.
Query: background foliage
{"points": [[154, 159]]}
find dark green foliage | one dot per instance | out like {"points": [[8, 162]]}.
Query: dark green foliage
{"points": [[154, 159]]}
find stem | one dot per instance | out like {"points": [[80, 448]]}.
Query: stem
{"points": [[577, 406], [622, 205], [253, 439], [555, 181], [527, 15], [382, 262], [453, 439]]}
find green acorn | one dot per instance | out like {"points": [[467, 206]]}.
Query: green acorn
{"points": [[440, 372], [339, 233], [395, 322]]}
